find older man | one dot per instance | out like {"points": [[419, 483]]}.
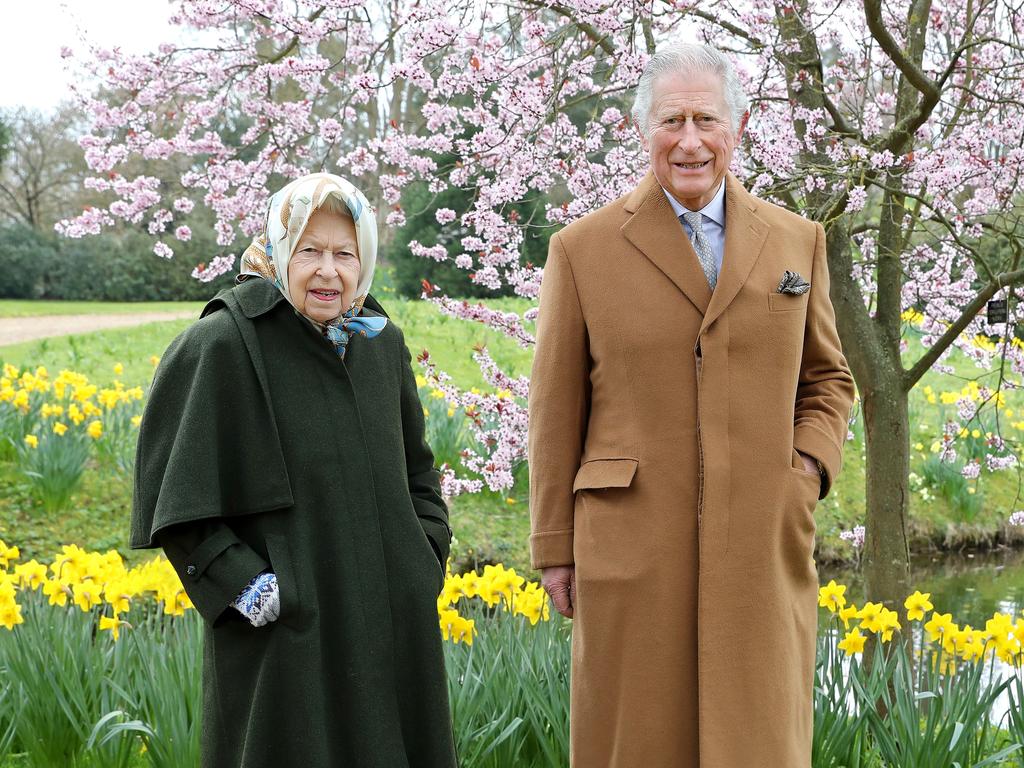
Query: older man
{"points": [[688, 408]]}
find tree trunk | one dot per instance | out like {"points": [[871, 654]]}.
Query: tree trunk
{"points": [[887, 446]]}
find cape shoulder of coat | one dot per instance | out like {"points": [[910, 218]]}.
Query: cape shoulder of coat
{"points": [[208, 444]]}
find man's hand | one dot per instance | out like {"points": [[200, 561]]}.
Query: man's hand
{"points": [[559, 581], [809, 464]]}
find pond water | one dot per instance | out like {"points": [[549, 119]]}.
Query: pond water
{"points": [[971, 586]]}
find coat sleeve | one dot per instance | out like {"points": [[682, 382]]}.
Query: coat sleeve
{"points": [[825, 389], [559, 409], [214, 565], [424, 479]]}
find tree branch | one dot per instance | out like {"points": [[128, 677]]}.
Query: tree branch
{"points": [[914, 74], [931, 356]]}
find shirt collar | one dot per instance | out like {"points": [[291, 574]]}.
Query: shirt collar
{"points": [[715, 210]]}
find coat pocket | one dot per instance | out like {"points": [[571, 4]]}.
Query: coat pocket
{"points": [[279, 554], [784, 302], [605, 473]]}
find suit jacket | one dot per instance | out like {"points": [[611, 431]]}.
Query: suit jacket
{"points": [[664, 425]]}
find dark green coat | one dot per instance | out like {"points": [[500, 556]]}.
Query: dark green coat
{"points": [[260, 448]]}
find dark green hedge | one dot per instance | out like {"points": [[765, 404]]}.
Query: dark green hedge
{"points": [[109, 267]]}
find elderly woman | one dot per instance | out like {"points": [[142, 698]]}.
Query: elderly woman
{"points": [[283, 469]]}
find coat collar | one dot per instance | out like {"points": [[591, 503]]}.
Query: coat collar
{"points": [[654, 229]]}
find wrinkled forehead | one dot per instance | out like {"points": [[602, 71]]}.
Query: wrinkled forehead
{"points": [[330, 225], [689, 90]]}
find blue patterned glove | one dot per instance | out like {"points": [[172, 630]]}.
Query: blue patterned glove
{"points": [[260, 601]]}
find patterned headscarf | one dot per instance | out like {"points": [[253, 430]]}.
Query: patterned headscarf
{"points": [[289, 212]]}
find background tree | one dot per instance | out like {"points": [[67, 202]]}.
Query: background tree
{"points": [[899, 128], [41, 166]]}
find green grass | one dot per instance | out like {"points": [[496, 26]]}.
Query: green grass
{"points": [[487, 527], [25, 308]]}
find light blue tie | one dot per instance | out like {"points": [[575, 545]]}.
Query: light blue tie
{"points": [[701, 245]]}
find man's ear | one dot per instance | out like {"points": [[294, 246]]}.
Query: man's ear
{"points": [[643, 139], [743, 126]]}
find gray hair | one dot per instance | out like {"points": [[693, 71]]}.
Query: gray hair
{"points": [[689, 58]]}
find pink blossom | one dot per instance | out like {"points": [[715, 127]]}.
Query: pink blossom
{"points": [[855, 537], [218, 266]]}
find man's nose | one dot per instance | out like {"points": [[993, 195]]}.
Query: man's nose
{"points": [[689, 140]]}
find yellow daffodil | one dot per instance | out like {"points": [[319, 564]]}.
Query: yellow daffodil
{"points": [[60, 428], [21, 401], [852, 643], [87, 595], [112, 624], [136, 420], [10, 614], [30, 574], [31, 441], [890, 622], [95, 429], [57, 591], [871, 617], [917, 604], [847, 614], [76, 414], [8, 554], [118, 369], [832, 596], [154, 360], [940, 624]]}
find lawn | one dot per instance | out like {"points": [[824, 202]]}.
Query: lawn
{"points": [[493, 527]]}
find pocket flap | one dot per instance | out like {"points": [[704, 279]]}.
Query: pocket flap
{"points": [[605, 473]]}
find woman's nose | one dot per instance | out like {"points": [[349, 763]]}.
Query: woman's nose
{"points": [[325, 266]]}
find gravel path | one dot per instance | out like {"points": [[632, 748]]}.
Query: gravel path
{"points": [[14, 330]]}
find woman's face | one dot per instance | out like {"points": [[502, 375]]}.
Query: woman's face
{"points": [[324, 269]]}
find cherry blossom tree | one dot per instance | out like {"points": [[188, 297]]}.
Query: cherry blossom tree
{"points": [[899, 128]]}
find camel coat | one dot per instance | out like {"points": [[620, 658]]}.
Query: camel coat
{"points": [[664, 423]]}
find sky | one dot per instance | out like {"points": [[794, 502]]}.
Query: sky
{"points": [[30, 56]]}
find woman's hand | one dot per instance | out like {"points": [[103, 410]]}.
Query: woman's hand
{"points": [[260, 601]]}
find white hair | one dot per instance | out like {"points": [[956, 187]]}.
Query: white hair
{"points": [[688, 58], [336, 204]]}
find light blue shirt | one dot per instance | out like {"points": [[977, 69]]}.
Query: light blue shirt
{"points": [[713, 222]]}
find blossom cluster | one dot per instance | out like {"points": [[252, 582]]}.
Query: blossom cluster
{"points": [[530, 106]]}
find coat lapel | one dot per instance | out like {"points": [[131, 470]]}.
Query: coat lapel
{"points": [[654, 229], [745, 234]]}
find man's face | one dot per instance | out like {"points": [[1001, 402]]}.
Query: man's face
{"points": [[690, 138]]}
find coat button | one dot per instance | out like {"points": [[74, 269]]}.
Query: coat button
{"points": [[190, 570]]}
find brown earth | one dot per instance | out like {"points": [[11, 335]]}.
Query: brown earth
{"points": [[14, 330]]}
